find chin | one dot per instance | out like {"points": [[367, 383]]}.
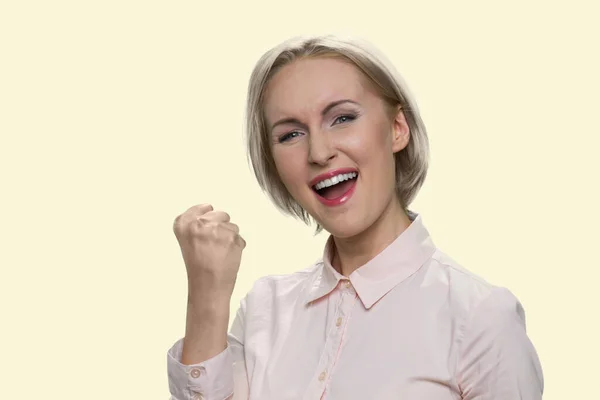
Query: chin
{"points": [[344, 227]]}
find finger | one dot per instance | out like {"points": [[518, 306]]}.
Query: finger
{"points": [[241, 241], [192, 214], [215, 216], [231, 226], [200, 208]]}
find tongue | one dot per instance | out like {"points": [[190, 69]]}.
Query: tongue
{"points": [[335, 191]]}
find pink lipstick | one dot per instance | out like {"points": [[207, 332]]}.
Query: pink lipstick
{"points": [[343, 192]]}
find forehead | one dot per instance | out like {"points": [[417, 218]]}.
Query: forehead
{"points": [[307, 85]]}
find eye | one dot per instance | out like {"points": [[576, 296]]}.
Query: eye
{"points": [[344, 118], [288, 136]]}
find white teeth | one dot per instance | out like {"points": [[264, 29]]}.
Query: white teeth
{"points": [[335, 180]]}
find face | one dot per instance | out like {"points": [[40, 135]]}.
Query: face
{"points": [[333, 140]]}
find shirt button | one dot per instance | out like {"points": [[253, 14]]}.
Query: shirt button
{"points": [[338, 322], [196, 372], [347, 284], [322, 376]]}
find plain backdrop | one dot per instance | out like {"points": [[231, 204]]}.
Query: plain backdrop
{"points": [[116, 116]]}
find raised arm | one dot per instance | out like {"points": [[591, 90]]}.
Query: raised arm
{"points": [[208, 363]]}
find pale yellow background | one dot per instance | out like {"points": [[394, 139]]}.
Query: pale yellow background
{"points": [[116, 116]]}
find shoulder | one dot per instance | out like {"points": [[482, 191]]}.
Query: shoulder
{"points": [[472, 294], [494, 353]]}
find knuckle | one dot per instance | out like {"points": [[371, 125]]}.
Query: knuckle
{"points": [[205, 207], [213, 231], [225, 235], [231, 237], [177, 224], [201, 227]]}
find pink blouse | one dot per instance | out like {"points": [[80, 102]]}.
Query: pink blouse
{"points": [[409, 324]]}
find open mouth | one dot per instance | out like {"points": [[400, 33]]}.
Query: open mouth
{"points": [[336, 187]]}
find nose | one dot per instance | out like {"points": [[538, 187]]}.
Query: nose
{"points": [[321, 150]]}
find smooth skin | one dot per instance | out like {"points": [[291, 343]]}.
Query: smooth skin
{"points": [[313, 137], [211, 247], [364, 133]]}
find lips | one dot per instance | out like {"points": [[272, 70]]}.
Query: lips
{"points": [[331, 174], [340, 192]]}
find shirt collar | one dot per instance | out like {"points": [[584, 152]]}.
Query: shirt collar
{"points": [[399, 260]]}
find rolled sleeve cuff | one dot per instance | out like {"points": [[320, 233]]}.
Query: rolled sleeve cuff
{"points": [[209, 380]]}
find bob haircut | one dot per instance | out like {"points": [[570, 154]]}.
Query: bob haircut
{"points": [[411, 162]]}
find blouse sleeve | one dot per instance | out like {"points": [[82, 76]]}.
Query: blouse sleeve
{"points": [[497, 359], [222, 377]]}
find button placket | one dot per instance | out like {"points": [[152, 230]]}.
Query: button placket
{"points": [[346, 303], [345, 299], [332, 344], [340, 309]]}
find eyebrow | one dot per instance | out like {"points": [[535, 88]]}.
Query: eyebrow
{"points": [[325, 110]]}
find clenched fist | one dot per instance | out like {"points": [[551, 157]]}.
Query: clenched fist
{"points": [[212, 250]]}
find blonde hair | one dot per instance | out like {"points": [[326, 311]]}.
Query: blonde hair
{"points": [[411, 162]]}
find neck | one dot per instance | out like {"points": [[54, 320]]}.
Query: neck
{"points": [[353, 252]]}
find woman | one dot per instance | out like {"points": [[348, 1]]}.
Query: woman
{"points": [[335, 137]]}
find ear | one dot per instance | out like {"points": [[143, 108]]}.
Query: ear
{"points": [[400, 131]]}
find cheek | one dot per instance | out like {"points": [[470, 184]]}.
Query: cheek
{"points": [[290, 166], [369, 146], [372, 150]]}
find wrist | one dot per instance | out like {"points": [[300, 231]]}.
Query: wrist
{"points": [[205, 310], [208, 301]]}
